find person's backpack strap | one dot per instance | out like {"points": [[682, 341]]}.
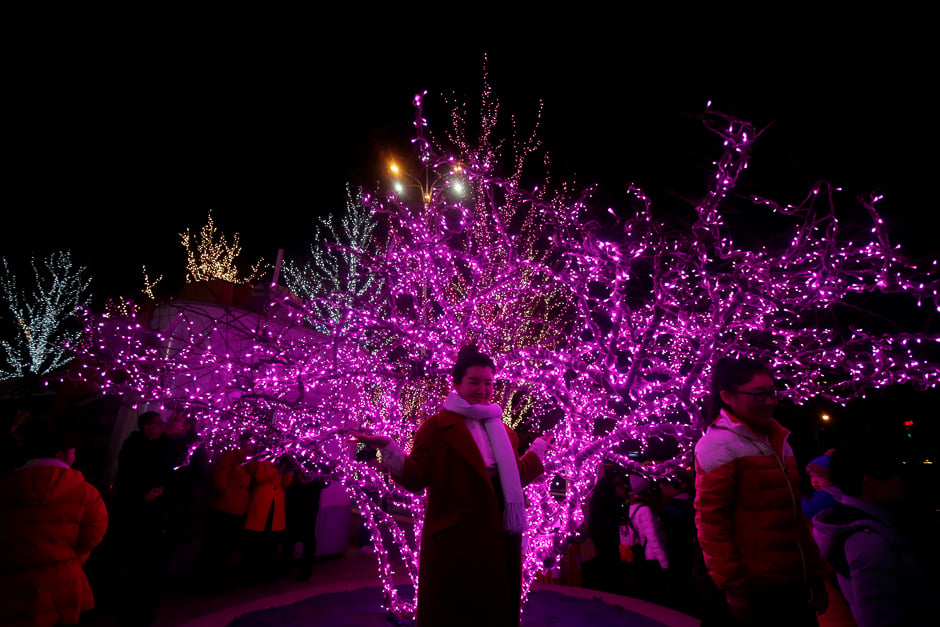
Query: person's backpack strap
{"points": [[630, 514]]}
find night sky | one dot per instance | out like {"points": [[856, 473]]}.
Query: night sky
{"points": [[123, 131], [120, 143]]}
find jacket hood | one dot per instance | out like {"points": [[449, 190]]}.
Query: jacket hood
{"points": [[832, 526], [39, 484]]}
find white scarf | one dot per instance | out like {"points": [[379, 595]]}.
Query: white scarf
{"points": [[491, 416]]}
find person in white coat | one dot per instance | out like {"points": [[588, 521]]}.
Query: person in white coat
{"points": [[646, 522]]}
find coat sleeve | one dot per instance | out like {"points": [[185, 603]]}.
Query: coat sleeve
{"points": [[93, 524], [715, 500], [816, 503], [530, 464], [647, 524], [876, 588], [416, 468], [530, 468]]}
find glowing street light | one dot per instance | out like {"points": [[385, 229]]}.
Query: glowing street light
{"points": [[427, 188]]}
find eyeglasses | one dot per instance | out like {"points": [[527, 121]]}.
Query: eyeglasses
{"points": [[762, 396]]}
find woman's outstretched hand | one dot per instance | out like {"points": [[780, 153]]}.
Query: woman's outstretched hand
{"points": [[548, 438], [373, 440]]}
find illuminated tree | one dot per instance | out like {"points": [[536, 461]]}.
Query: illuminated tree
{"points": [[334, 266], [41, 319], [208, 259], [604, 332], [149, 284]]}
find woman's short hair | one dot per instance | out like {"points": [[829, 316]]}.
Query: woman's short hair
{"points": [[730, 373], [469, 356]]}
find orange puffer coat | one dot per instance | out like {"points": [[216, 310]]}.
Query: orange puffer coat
{"points": [[747, 511], [268, 492], [232, 483], [50, 520]]}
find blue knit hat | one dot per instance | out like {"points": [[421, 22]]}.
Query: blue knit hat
{"points": [[821, 461]]}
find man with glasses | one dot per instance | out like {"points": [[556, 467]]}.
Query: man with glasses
{"points": [[755, 540]]}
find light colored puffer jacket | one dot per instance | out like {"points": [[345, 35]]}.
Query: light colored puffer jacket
{"points": [[747, 510]]}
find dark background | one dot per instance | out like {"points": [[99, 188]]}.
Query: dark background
{"points": [[123, 130], [121, 138]]}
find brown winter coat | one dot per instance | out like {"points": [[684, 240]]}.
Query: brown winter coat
{"points": [[465, 568], [50, 520]]}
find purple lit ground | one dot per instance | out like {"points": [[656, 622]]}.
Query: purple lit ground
{"points": [[361, 608]]}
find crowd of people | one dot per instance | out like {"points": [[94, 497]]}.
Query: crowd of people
{"points": [[642, 535], [736, 542], [248, 508], [745, 546], [51, 519], [235, 522]]}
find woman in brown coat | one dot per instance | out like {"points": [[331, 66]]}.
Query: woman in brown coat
{"points": [[471, 561]]}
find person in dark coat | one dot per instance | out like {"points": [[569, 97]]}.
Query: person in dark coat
{"points": [[605, 512], [471, 559], [678, 519], [140, 521], [871, 543], [141, 473], [303, 506], [185, 468]]}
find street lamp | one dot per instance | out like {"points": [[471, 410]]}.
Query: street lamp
{"points": [[451, 176]]}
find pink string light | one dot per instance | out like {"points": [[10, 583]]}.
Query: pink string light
{"points": [[601, 339]]}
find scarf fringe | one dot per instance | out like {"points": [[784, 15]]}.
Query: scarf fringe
{"points": [[514, 518]]}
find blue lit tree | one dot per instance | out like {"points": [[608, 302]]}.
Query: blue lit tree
{"points": [[39, 323], [334, 269]]}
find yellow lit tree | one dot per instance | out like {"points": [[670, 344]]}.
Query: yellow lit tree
{"points": [[208, 259]]}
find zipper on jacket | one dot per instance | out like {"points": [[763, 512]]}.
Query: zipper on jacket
{"points": [[796, 514], [794, 502]]}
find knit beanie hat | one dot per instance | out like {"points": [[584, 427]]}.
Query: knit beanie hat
{"points": [[819, 466]]}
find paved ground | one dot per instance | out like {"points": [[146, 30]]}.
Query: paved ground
{"points": [[362, 608], [351, 579], [182, 605]]}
